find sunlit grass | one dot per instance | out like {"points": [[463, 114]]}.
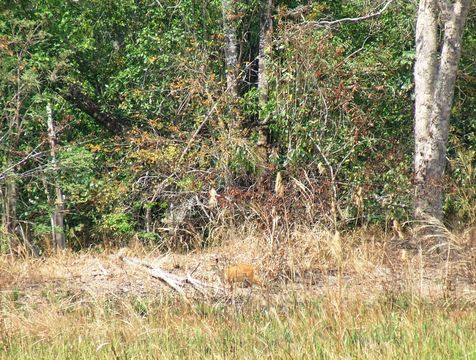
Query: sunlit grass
{"points": [[317, 328], [325, 296]]}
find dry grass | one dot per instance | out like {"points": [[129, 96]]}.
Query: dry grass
{"points": [[327, 295], [166, 328], [311, 259]]}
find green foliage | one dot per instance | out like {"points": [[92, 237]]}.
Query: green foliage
{"points": [[460, 203], [149, 238], [117, 224], [342, 98], [41, 229], [339, 97]]}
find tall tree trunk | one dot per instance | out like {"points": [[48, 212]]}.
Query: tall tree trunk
{"points": [[148, 219], [435, 75], [231, 56], [57, 217], [265, 49], [10, 220], [9, 216]]}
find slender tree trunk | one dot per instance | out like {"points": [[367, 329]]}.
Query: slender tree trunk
{"points": [[9, 216], [231, 56], [11, 193], [57, 217], [436, 64], [231, 46], [265, 49], [148, 220]]}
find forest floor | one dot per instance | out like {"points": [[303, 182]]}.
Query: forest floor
{"points": [[43, 299]]}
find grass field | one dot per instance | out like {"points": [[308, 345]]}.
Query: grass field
{"points": [[324, 297], [394, 327]]}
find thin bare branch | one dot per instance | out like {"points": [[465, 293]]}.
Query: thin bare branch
{"points": [[172, 280], [328, 23], [32, 154]]}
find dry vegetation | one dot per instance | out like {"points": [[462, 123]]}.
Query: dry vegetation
{"points": [[364, 294]]}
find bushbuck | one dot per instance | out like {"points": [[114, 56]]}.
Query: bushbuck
{"points": [[240, 273]]}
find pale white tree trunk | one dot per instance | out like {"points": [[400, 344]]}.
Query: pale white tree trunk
{"points": [[57, 217], [231, 47], [437, 58], [230, 20], [265, 50]]}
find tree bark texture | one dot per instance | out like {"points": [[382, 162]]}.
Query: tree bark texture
{"points": [[231, 46], [265, 50], [57, 217], [230, 19], [436, 65], [77, 97]]}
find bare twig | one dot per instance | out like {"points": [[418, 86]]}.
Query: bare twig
{"points": [[328, 23], [298, 12], [32, 154]]}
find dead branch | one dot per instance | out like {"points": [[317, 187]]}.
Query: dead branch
{"points": [[77, 96], [298, 12], [172, 280], [328, 23]]}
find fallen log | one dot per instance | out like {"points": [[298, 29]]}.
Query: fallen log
{"points": [[174, 281]]}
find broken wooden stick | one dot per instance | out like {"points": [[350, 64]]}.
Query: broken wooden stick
{"points": [[172, 280]]}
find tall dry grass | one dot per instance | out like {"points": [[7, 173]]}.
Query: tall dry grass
{"points": [[310, 328], [363, 294]]}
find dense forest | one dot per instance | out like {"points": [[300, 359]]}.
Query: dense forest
{"points": [[169, 121]]}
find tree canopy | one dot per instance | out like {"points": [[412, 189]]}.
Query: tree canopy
{"points": [[146, 126]]}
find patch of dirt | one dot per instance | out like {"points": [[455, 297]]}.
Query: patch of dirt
{"points": [[88, 275]]}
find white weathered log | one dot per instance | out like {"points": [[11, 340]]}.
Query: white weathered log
{"points": [[174, 281]]}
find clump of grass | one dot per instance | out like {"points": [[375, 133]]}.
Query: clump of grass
{"points": [[392, 327]]}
